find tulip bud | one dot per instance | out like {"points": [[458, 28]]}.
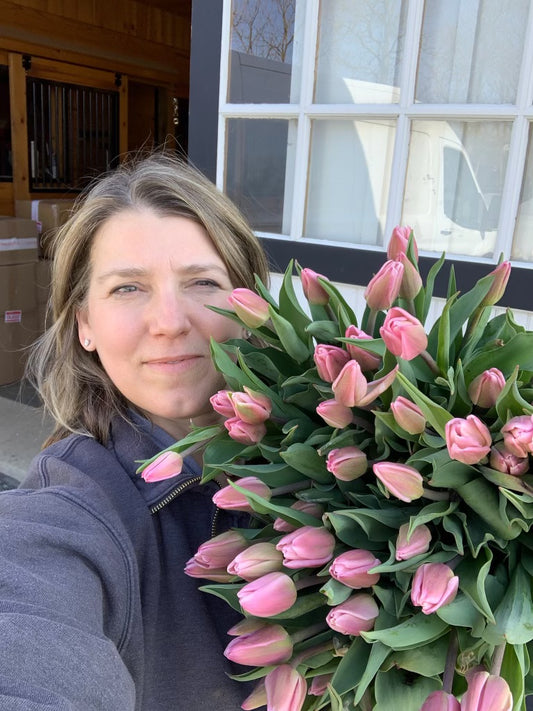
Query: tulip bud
{"points": [[347, 463], [307, 547], [244, 432], [269, 595], [251, 308], [351, 569], [313, 290], [384, 287], [319, 684], [309, 507], [487, 692], [165, 466], [270, 644], [286, 689], [221, 403], [503, 461], [334, 414], [408, 415], [252, 407], [441, 701], [195, 569], [518, 435], [417, 543], [256, 699], [329, 361], [366, 359], [403, 481], [399, 242], [485, 389], [245, 626], [468, 440], [434, 585], [255, 561], [497, 289], [403, 334], [231, 499], [350, 386], [412, 281], [217, 552], [357, 614]]}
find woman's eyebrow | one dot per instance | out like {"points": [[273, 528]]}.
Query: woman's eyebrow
{"points": [[189, 269], [122, 272]]}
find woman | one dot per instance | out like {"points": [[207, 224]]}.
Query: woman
{"points": [[95, 610]]}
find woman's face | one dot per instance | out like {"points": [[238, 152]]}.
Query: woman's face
{"points": [[145, 314]]}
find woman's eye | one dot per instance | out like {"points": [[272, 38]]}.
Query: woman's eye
{"points": [[206, 282], [124, 289]]}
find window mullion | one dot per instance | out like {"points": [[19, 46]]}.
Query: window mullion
{"points": [[223, 92]]}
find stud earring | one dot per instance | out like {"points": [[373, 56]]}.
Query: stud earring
{"points": [[87, 342]]}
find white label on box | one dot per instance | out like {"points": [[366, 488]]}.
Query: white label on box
{"points": [[14, 316]]}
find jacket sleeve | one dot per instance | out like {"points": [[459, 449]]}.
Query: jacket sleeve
{"points": [[66, 600]]}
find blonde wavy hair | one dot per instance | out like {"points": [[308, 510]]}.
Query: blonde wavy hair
{"points": [[74, 387]]}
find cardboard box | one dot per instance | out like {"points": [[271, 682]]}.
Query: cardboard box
{"points": [[19, 325], [18, 240], [49, 215]]}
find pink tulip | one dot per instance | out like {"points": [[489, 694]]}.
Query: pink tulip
{"points": [[485, 389], [217, 552], [255, 561], [411, 281], [286, 689], [256, 699], [351, 568], [307, 547], [468, 439], [366, 359], [329, 361], [503, 461], [487, 692], [195, 569], [244, 432], [269, 595], [251, 308], [246, 626], [347, 463], [399, 241], [319, 684], [497, 289], [434, 585], [384, 287], [165, 466], [252, 407], [376, 387], [403, 334], [313, 290], [518, 435], [334, 414], [231, 499], [416, 544], [408, 415], [441, 701], [402, 480], [309, 507], [354, 616], [349, 387], [270, 644], [221, 403]]}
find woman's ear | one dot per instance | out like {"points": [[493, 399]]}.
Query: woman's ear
{"points": [[84, 331]]}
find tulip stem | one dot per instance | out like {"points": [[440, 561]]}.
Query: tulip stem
{"points": [[451, 657], [308, 632], [436, 495], [311, 652], [497, 659], [289, 488], [431, 362], [307, 582], [371, 322]]}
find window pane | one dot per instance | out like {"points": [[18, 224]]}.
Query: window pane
{"points": [[454, 182], [523, 236], [349, 176], [256, 163], [471, 51], [6, 169], [262, 50], [359, 53]]}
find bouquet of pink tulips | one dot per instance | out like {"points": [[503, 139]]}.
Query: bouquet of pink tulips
{"points": [[385, 465]]}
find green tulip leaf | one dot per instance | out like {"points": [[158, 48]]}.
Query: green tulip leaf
{"points": [[514, 615], [308, 461], [226, 591], [351, 667], [472, 578], [291, 342], [289, 305], [335, 592], [428, 660], [264, 506], [417, 630], [518, 350], [398, 689], [437, 416]]}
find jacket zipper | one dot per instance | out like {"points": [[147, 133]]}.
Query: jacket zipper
{"points": [[179, 490]]}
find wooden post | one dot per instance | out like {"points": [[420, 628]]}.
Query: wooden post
{"points": [[19, 127], [123, 117]]}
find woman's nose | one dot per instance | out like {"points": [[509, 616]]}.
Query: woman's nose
{"points": [[168, 314]]}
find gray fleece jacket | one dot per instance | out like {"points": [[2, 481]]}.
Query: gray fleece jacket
{"points": [[96, 612]]}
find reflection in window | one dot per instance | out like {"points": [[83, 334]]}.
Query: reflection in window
{"points": [[255, 171], [349, 176], [359, 51], [262, 38], [6, 169], [522, 249], [462, 56]]}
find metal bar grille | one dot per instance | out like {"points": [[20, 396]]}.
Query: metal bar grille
{"points": [[72, 132]]}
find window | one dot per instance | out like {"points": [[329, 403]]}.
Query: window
{"points": [[341, 119]]}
